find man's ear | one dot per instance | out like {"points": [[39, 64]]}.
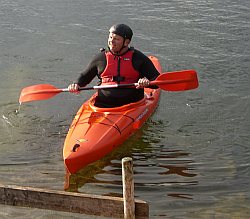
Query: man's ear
{"points": [[127, 42]]}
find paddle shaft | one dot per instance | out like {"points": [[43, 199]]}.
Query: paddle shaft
{"points": [[98, 87]]}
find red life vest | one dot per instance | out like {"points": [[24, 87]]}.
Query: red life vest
{"points": [[119, 69]]}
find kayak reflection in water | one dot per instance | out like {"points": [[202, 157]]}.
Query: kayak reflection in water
{"points": [[118, 64]]}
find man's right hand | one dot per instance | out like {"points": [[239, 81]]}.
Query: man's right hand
{"points": [[74, 88]]}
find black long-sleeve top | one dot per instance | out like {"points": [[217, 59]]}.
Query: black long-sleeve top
{"points": [[117, 97]]}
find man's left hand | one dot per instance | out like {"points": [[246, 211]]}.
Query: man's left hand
{"points": [[142, 82]]}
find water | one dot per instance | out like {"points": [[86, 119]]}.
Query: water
{"points": [[191, 160]]}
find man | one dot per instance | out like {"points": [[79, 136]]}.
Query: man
{"points": [[119, 64]]}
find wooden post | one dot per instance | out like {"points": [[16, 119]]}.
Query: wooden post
{"points": [[128, 188]]}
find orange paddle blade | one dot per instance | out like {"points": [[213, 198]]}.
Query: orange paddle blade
{"points": [[177, 81], [38, 92]]}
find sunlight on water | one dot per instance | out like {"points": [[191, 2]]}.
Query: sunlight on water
{"points": [[7, 120], [191, 160]]}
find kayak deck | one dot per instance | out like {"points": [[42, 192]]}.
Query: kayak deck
{"points": [[95, 131]]}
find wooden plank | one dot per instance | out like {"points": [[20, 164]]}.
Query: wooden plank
{"points": [[69, 202]]}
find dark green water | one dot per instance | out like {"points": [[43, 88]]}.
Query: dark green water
{"points": [[191, 160]]}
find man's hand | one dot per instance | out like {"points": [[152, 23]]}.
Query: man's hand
{"points": [[74, 88], [142, 82]]}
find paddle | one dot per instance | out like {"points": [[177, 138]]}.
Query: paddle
{"points": [[169, 81]]}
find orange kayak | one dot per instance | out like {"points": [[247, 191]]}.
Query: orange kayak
{"points": [[95, 131]]}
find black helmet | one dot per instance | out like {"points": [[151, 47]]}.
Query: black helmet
{"points": [[122, 30]]}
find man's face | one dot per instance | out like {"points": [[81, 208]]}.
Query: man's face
{"points": [[115, 42]]}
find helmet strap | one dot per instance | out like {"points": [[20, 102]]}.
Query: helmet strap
{"points": [[122, 46]]}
